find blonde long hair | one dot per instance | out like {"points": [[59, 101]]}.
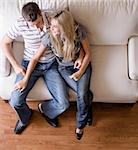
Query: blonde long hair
{"points": [[67, 30]]}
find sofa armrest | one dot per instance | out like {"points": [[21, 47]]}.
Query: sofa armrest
{"points": [[133, 57], [5, 67]]}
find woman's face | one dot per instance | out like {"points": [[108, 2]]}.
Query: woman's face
{"points": [[54, 27]]}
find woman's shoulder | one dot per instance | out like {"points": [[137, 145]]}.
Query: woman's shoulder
{"points": [[79, 26], [46, 40], [80, 30]]}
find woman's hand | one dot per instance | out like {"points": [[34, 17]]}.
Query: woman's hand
{"points": [[76, 76], [78, 63], [21, 85]]}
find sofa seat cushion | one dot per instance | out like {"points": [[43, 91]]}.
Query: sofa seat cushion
{"points": [[110, 81]]}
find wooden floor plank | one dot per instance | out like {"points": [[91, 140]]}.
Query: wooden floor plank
{"points": [[115, 128]]}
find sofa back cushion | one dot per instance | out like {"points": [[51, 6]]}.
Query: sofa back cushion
{"points": [[8, 13], [109, 22]]}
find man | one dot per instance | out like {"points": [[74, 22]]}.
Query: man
{"points": [[32, 27]]}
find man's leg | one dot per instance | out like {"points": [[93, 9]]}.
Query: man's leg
{"points": [[58, 90], [18, 101]]}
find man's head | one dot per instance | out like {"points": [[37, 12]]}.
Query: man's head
{"points": [[32, 14]]}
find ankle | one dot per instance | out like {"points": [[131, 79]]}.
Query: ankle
{"points": [[40, 107], [79, 133], [79, 130]]}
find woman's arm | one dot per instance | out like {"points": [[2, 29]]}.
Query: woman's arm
{"points": [[86, 60], [22, 83], [78, 62], [34, 61], [87, 57]]}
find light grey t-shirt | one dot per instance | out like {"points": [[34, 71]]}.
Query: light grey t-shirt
{"points": [[80, 36]]}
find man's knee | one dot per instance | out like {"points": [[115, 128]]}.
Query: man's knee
{"points": [[63, 106], [15, 98]]}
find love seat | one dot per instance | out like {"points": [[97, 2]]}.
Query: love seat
{"points": [[112, 27]]}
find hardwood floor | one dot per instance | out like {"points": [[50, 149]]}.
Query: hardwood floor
{"points": [[115, 128]]}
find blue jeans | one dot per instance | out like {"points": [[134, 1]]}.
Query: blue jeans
{"points": [[84, 94], [56, 86]]}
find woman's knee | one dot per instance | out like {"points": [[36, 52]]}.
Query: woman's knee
{"points": [[85, 96]]}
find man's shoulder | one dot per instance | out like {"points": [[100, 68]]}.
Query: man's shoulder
{"points": [[20, 20]]}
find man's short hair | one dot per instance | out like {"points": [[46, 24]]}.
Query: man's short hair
{"points": [[31, 11]]}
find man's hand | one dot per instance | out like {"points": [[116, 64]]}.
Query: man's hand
{"points": [[19, 69], [21, 85]]}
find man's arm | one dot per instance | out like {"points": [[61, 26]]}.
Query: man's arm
{"points": [[23, 83], [7, 49]]}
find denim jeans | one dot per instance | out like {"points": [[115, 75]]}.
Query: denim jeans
{"points": [[84, 94], [56, 86]]}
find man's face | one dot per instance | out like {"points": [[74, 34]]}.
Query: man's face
{"points": [[38, 22]]}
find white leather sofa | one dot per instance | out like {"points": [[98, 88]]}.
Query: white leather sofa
{"points": [[113, 34]]}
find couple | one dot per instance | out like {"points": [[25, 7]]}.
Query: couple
{"points": [[60, 54]]}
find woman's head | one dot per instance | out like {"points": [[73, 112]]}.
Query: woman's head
{"points": [[62, 25]]}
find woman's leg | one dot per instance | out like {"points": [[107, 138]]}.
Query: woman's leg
{"points": [[84, 95]]}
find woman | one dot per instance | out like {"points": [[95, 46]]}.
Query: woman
{"points": [[70, 45], [68, 40]]}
